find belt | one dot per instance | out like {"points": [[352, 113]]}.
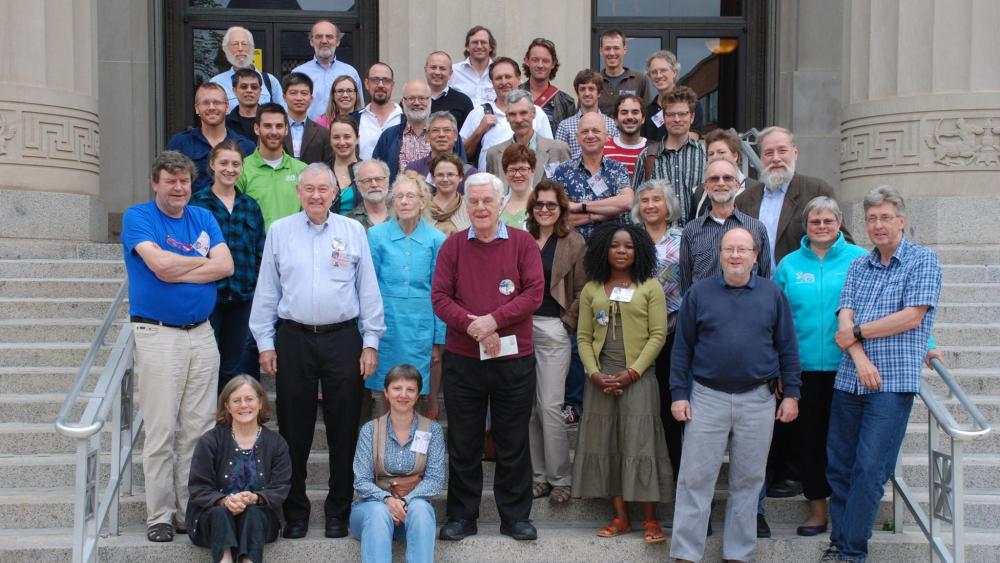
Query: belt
{"points": [[320, 329], [137, 319]]}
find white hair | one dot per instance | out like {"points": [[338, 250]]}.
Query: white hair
{"points": [[317, 168], [229, 33], [485, 179]]}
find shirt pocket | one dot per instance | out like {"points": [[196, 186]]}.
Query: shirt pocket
{"points": [[343, 266]]}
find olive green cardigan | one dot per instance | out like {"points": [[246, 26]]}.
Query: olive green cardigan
{"points": [[644, 324]]}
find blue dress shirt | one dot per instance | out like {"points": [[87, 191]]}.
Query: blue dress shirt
{"points": [[225, 79], [399, 459], [770, 213], [323, 80]]}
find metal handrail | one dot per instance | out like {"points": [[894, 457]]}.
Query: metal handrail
{"points": [[945, 475], [111, 398]]}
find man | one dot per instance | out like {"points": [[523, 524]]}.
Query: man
{"points": [[174, 254], [381, 113], [237, 44], [587, 85], [372, 177], [626, 146], [324, 68], [679, 159], [409, 141], [471, 76], [598, 187], [521, 116], [541, 64], [270, 175], [247, 84], [317, 281], [487, 284], [700, 240], [887, 309], [618, 80], [196, 143], [735, 346], [307, 140], [443, 135], [437, 70], [662, 68]]}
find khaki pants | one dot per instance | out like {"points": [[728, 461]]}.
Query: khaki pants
{"points": [[547, 431], [177, 373]]}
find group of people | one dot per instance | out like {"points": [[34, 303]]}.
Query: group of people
{"points": [[537, 260]]}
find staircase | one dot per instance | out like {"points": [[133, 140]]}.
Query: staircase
{"points": [[53, 295]]}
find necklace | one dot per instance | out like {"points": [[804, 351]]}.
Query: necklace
{"points": [[237, 442]]}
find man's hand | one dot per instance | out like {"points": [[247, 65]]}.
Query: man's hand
{"points": [[396, 510], [492, 344], [868, 373], [368, 362], [487, 123], [845, 337], [269, 362], [481, 326], [681, 410], [934, 354], [788, 410]]}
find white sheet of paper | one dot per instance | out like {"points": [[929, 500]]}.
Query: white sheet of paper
{"points": [[622, 294], [597, 185], [508, 347], [658, 118], [421, 440]]}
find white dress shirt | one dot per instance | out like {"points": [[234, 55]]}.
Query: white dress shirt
{"points": [[501, 131], [369, 130], [478, 87]]}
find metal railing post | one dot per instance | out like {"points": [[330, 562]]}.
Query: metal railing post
{"points": [[955, 500], [898, 507]]}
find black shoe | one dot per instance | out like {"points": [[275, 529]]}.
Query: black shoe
{"points": [[335, 528], [295, 530], [784, 488], [763, 530], [810, 531], [522, 530], [455, 530]]}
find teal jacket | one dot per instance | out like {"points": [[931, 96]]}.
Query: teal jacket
{"points": [[813, 288]]}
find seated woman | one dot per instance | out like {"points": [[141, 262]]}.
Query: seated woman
{"points": [[240, 476], [399, 465]]}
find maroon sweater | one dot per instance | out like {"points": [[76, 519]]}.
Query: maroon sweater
{"points": [[467, 280]]}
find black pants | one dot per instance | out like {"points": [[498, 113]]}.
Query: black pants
{"points": [[508, 388], [814, 422], [331, 361], [783, 457], [672, 429], [246, 533]]}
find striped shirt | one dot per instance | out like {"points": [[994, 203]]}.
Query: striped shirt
{"points": [[567, 132], [700, 246], [873, 291], [684, 168], [625, 154]]}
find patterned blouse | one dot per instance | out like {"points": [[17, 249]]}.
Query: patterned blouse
{"points": [[668, 268]]}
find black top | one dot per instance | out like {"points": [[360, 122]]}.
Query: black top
{"points": [[242, 125], [549, 307], [456, 102]]}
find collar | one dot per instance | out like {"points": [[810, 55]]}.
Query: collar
{"points": [[835, 248], [721, 278], [738, 215], [396, 108], [627, 74], [468, 64], [413, 430], [578, 163], [333, 62], [260, 162], [690, 142], [783, 189], [419, 234], [875, 258], [501, 231], [443, 94], [310, 224], [302, 123], [408, 129]]}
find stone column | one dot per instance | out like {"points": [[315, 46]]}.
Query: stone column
{"points": [[49, 140], [922, 113]]}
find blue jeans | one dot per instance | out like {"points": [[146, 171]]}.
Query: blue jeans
{"points": [[372, 524], [231, 323], [575, 379], [866, 432]]}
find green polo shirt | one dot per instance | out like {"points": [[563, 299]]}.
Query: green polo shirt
{"points": [[272, 188]]}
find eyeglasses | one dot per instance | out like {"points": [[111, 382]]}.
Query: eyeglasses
{"points": [[884, 219], [345, 91], [659, 71], [823, 222], [372, 180], [440, 130], [676, 114], [737, 250], [726, 178], [379, 80], [239, 44], [516, 170], [445, 175], [241, 400], [321, 190], [406, 197], [550, 205], [416, 98]]}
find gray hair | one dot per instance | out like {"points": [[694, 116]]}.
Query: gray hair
{"points": [[517, 95], [173, 162], [318, 168], [669, 197], [775, 129], [883, 194], [485, 179], [381, 164], [405, 178], [667, 56], [745, 230], [821, 203], [229, 33], [444, 115], [727, 161]]}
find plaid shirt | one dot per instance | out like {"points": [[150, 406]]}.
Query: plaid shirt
{"points": [[414, 147], [244, 232], [575, 177], [873, 291], [567, 132], [684, 168]]}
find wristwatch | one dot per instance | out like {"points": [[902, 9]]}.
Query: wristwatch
{"points": [[857, 333]]}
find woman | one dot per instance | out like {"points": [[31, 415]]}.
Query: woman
{"points": [[343, 100], [398, 468], [344, 141], [242, 226], [812, 278], [562, 251], [240, 476], [518, 163], [621, 452], [447, 212], [404, 251], [656, 208]]}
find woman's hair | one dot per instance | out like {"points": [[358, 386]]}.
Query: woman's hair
{"points": [[331, 105], [517, 153], [227, 145], [348, 120], [732, 140], [595, 262], [663, 186], [561, 228], [404, 372], [446, 157], [222, 416], [821, 203], [408, 177]]}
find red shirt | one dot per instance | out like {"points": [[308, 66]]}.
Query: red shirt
{"points": [[468, 279], [623, 154]]}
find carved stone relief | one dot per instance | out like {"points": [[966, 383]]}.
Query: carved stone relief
{"points": [[46, 136]]}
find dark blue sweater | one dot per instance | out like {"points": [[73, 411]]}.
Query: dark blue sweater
{"points": [[732, 339]]}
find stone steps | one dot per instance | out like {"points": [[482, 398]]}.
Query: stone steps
{"points": [[967, 334], [977, 313], [59, 354], [970, 273], [44, 249], [100, 269], [968, 254], [30, 331], [971, 357], [56, 307], [57, 287], [970, 292]]}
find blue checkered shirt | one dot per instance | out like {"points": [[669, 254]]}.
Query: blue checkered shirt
{"points": [[567, 132], [873, 291]]}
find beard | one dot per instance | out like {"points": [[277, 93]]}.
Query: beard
{"points": [[774, 178], [414, 116], [247, 63], [375, 197], [322, 53], [722, 198]]}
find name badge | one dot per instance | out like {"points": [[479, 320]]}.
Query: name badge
{"points": [[622, 294], [658, 118], [201, 245], [597, 185], [421, 440]]}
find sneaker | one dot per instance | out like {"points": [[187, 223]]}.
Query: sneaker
{"points": [[830, 555], [571, 414]]}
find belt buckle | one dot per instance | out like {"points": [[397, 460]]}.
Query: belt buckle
{"points": [[315, 329]]}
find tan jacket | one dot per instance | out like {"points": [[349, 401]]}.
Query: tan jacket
{"points": [[549, 152], [568, 276]]}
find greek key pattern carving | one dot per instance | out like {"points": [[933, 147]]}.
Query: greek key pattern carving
{"points": [[40, 135], [893, 144]]}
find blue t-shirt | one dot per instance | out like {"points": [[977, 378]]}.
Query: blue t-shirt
{"points": [[172, 303]]}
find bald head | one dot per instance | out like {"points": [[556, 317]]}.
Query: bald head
{"points": [[592, 134]]}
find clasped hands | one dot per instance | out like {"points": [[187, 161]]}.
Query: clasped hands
{"points": [[399, 487], [236, 503], [483, 329], [615, 383]]}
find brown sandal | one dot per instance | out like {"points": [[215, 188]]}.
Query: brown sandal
{"points": [[653, 532], [616, 528], [559, 494], [540, 489]]}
